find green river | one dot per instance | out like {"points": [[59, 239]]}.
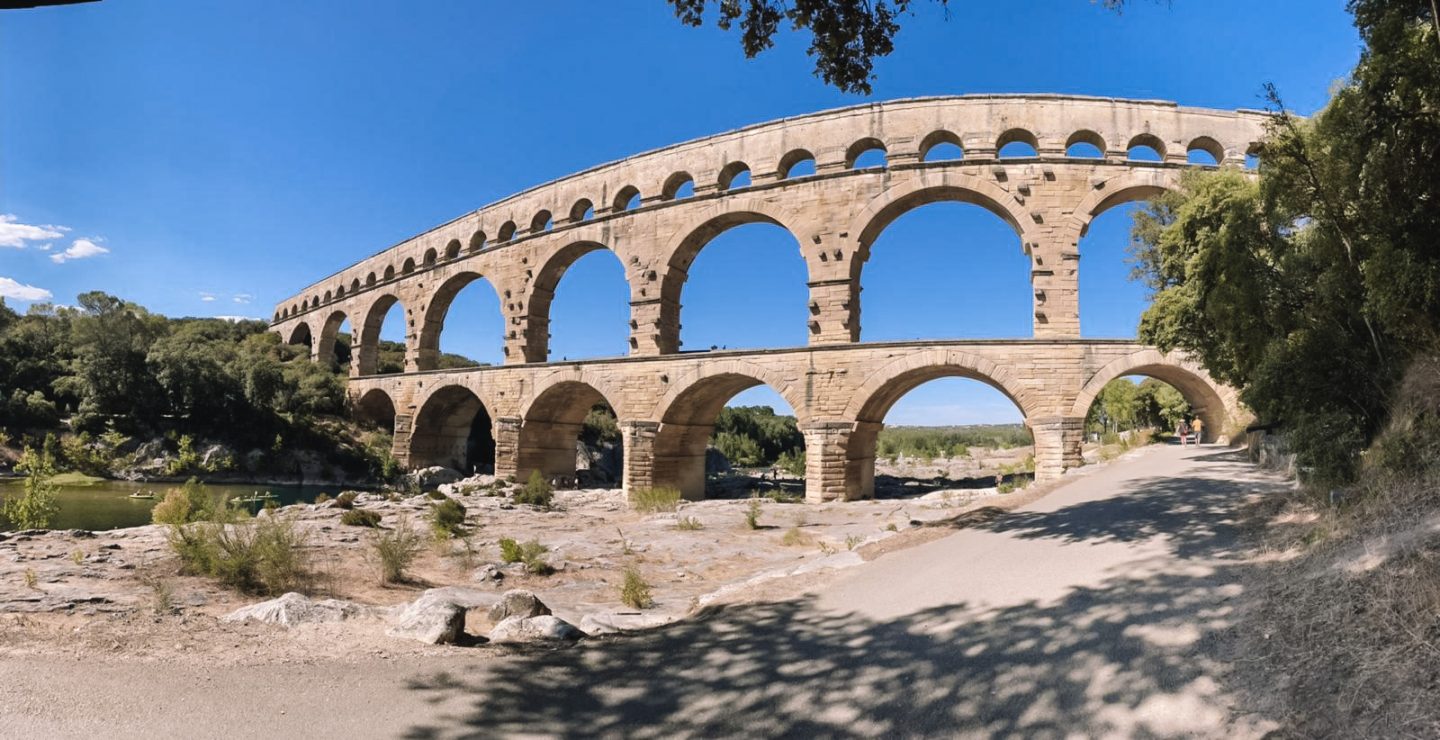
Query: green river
{"points": [[106, 504]]}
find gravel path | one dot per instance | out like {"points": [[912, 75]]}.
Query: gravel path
{"points": [[1091, 612]]}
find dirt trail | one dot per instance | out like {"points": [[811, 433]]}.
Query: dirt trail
{"points": [[1093, 611]]}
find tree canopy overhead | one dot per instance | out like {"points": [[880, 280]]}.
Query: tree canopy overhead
{"points": [[846, 36]]}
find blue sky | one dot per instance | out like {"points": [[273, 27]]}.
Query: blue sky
{"points": [[210, 158]]}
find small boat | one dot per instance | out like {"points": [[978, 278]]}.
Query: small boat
{"points": [[143, 495]]}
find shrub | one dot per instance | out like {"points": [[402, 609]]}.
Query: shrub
{"points": [[530, 553], [395, 551], [265, 556], [655, 499], [752, 514], [360, 518], [852, 540], [688, 524], [173, 509], [447, 518], [322, 498], [35, 506], [792, 462], [634, 591], [435, 496], [793, 537], [537, 491], [345, 500]]}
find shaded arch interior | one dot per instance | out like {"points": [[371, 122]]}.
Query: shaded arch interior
{"points": [[552, 425], [453, 429]]}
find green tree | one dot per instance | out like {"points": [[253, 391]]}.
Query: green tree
{"points": [[1314, 287], [846, 36], [35, 507]]}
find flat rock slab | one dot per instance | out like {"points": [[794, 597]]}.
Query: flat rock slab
{"points": [[294, 609]]}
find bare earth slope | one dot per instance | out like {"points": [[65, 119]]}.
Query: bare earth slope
{"points": [[1093, 611]]}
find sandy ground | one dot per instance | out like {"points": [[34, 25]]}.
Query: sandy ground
{"points": [[1094, 611]]}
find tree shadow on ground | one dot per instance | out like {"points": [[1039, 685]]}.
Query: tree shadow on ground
{"points": [[1136, 654]]}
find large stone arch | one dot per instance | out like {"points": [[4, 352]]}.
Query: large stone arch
{"points": [[553, 267], [687, 415], [926, 187], [324, 352], [442, 430], [680, 253], [1132, 184], [437, 310], [1214, 403], [300, 333], [551, 419], [365, 353], [374, 407], [883, 388]]}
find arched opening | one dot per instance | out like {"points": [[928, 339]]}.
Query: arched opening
{"points": [[864, 154], [477, 241], [542, 222], [339, 292], [940, 146], [734, 175], [408, 267], [743, 279], [1146, 148], [570, 434], [478, 336], [1085, 145], [583, 210], [389, 272], [1202, 399], [716, 440], [430, 257], [355, 285], [628, 199], [678, 185], [1133, 410], [453, 429], [1017, 143], [335, 337], [944, 430], [382, 338], [300, 337], [507, 232], [797, 163], [1111, 300], [452, 249], [370, 280], [1252, 156], [375, 410], [1205, 151], [975, 276], [590, 316]]}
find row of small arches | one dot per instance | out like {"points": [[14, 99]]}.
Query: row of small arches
{"points": [[867, 153]]}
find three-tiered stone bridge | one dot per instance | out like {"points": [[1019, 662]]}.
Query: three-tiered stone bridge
{"points": [[643, 210]]}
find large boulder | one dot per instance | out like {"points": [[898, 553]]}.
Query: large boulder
{"points": [[433, 477], [517, 603], [438, 616], [293, 609], [544, 628]]}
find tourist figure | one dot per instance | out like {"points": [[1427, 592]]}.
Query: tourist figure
{"points": [[1199, 430], [1182, 430]]}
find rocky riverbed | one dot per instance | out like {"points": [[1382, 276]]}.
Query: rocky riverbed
{"points": [[121, 591]]}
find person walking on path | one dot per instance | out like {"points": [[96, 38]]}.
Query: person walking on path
{"points": [[1199, 430], [1182, 430]]}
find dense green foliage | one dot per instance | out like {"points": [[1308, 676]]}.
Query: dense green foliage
{"points": [[118, 374], [929, 443], [755, 436], [35, 506], [1313, 288], [1123, 405]]}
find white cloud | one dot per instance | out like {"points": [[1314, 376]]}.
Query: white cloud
{"points": [[78, 250], [243, 297], [17, 291], [15, 234], [207, 297]]}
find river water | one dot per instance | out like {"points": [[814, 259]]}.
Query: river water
{"points": [[107, 504]]}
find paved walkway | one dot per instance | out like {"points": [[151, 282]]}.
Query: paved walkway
{"points": [[1089, 613]]}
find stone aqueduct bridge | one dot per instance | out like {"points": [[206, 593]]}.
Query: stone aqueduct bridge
{"points": [[839, 387]]}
